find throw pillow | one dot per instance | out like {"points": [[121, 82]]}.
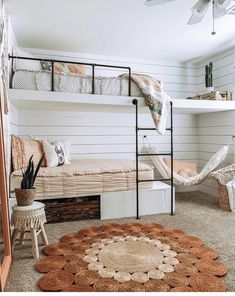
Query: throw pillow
{"points": [[46, 66], [180, 165], [28, 65], [56, 153], [187, 173], [65, 145], [62, 68], [22, 149]]}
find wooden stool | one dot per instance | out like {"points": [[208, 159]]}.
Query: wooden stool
{"points": [[29, 219]]}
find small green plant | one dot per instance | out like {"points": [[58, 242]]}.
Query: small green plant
{"points": [[29, 175], [208, 75]]}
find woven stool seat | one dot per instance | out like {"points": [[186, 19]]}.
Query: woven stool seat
{"points": [[29, 219]]}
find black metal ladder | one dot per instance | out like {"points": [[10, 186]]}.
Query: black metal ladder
{"points": [[137, 129]]}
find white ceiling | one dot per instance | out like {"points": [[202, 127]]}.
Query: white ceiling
{"points": [[124, 28]]}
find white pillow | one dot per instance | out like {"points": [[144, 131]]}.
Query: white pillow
{"points": [[28, 65], [66, 146], [55, 154]]}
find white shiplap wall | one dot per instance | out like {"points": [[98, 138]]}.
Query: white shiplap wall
{"points": [[216, 129], [223, 71], [109, 132]]}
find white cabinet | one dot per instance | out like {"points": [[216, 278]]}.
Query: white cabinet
{"points": [[156, 200]]}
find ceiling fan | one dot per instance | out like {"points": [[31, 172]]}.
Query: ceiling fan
{"points": [[219, 9]]}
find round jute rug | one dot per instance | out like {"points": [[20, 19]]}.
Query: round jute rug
{"points": [[130, 257]]}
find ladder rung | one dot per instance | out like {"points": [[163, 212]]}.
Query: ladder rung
{"points": [[154, 180], [151, 129], [154, 154]]}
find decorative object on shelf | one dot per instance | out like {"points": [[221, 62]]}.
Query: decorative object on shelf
{"points": [[209, 77], [26, 194], [214, 95], [29, 219], [130, 257]]}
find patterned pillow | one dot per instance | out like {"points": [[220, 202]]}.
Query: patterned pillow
{"points": [[28, 65], [55, 154], [63, 68], [76, 69], [22, 149], [46, 66]]}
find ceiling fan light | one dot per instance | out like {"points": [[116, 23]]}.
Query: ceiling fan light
{"points": [[200, 8]]}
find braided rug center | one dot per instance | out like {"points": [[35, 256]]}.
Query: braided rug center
{"points": [[126, 258], [130, 256]]}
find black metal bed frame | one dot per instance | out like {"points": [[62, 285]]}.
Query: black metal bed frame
{"points": [[92, 65], [137, 128]]}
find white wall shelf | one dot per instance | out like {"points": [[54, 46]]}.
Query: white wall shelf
{"points": [[43, 100]]}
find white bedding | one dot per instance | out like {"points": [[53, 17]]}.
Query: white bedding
{"points": [[41, 80]]}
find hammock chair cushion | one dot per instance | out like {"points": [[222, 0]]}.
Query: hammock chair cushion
{"points": [[165, 171], [185, 169]]}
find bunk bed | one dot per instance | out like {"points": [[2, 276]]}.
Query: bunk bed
{"points": [[44, 81]]}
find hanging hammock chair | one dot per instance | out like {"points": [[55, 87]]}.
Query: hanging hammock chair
{"points": [[165, 171]]}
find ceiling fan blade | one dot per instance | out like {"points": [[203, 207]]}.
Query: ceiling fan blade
{"points": [[231, 10], [200, 8], [222, 4], [157, 2], [195, 19]]}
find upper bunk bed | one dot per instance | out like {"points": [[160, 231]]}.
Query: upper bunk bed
{"points": [[35, 81]]}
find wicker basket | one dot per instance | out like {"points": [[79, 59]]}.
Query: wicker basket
{"points": [[72, 209], [223, 198], [25, 197]]}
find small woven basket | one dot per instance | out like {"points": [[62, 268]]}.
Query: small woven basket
{"points": [[25, 197], [223, 198]]}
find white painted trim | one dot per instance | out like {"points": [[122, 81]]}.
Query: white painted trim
{"points": [[24, 99]]}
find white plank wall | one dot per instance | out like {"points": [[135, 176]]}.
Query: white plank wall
{"points": [[107, 135], [215, 130], [109, 132], [223, 72], [180, 80]]}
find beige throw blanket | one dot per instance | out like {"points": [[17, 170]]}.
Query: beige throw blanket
{"points": [[156, 99]]}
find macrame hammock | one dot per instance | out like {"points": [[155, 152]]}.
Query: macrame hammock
{"points": [[165, 171]]}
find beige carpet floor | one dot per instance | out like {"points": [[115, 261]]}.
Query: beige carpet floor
{"points": [[196, 213]]}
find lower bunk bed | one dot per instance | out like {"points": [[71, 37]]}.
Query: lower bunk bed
{"points": [[102, 189]]}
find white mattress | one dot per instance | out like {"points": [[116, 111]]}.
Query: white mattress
{"points": [[87, 177], [32, 80]]}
